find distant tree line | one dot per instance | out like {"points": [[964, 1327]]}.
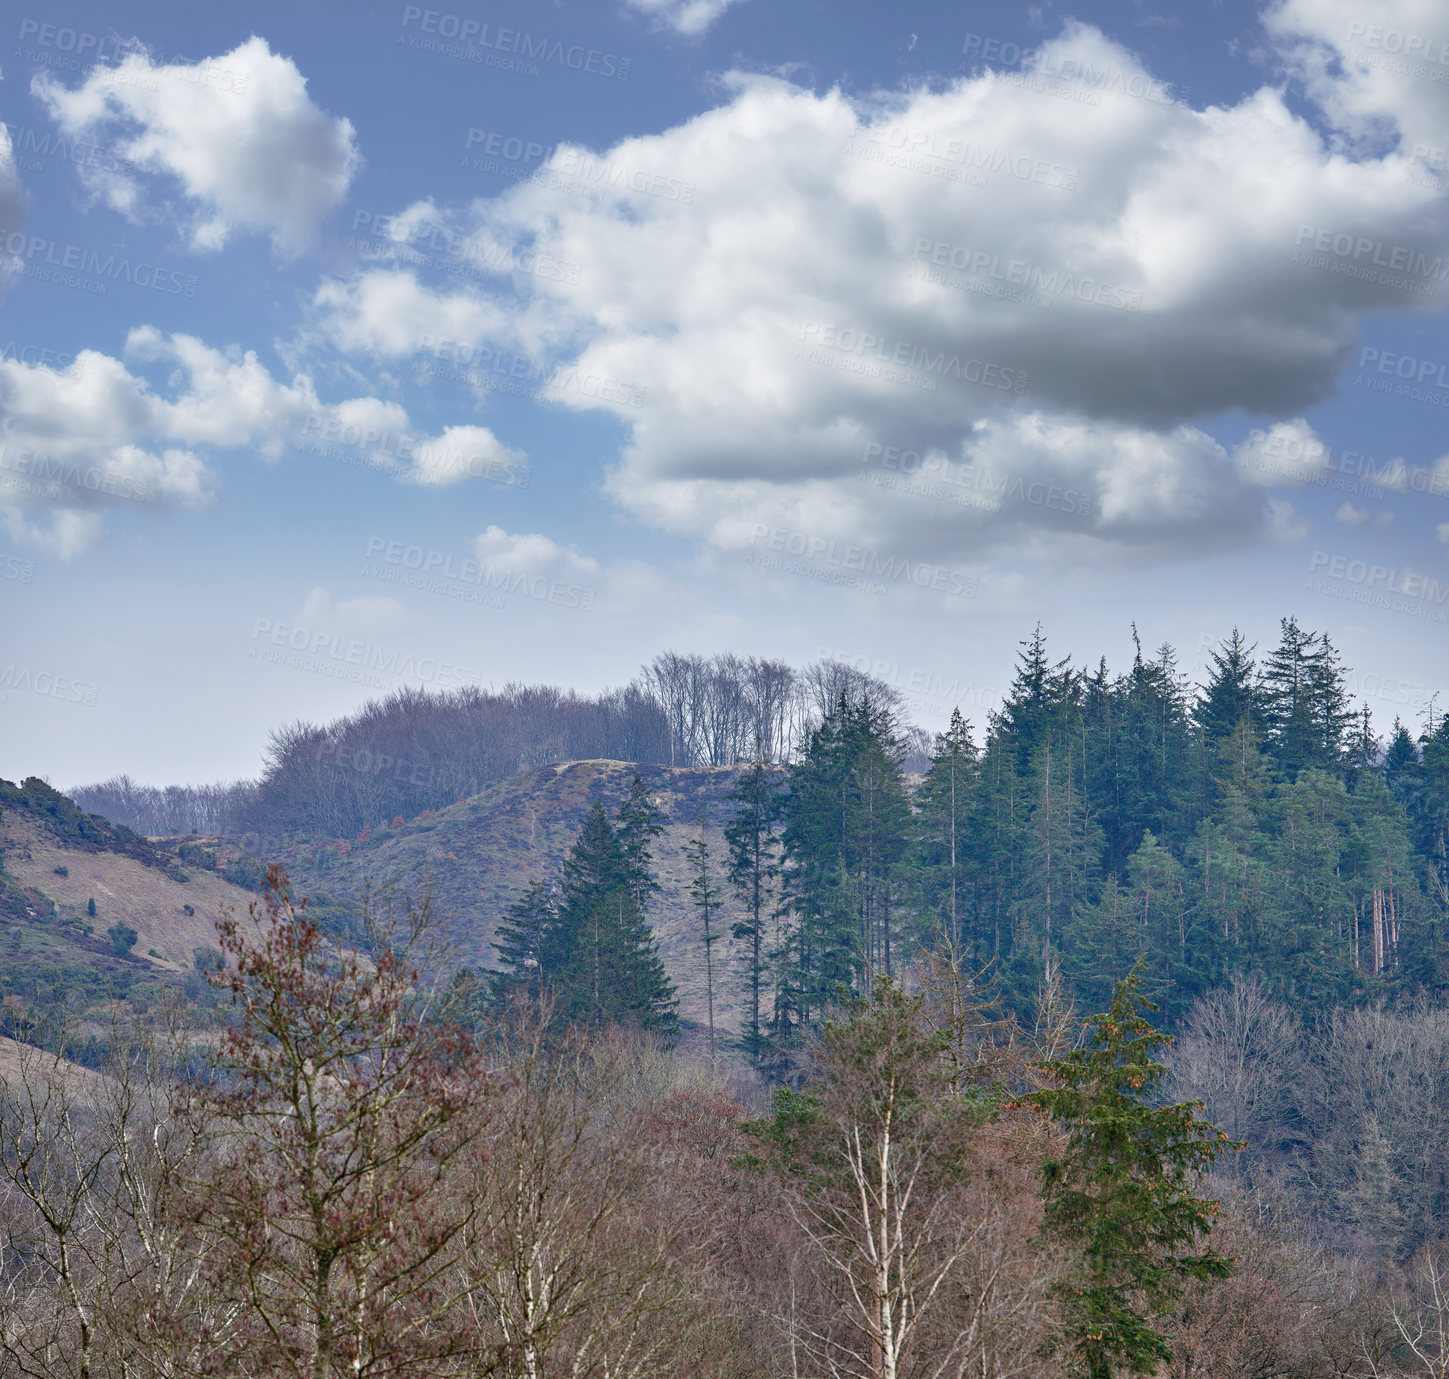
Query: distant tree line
{"points": [[416, 749]]}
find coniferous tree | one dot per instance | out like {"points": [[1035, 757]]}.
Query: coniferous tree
{"points": [[1305, 701], [706, 899], [753, 870], [1122, 1193], [944, 804], [1232, 693], [611, 971], [846, 820], [529, 944], [640, 823]]}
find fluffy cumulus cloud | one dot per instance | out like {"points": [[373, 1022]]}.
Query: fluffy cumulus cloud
{"points": [[533, 556], [1054, 283], [239, 134], [1379, 72], [77, 440], [683, 16]]}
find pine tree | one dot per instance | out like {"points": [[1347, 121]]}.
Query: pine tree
{"points": [[1122, 1192], [944, 803], [753, 870], [846, 821], [1233, 691], [611, 971], [706, 899], [640, 823], [1305, 701], [529, 944]]}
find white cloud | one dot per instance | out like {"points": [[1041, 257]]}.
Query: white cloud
{"points": [[775, 286], [1351, 516], [533, 556], [683, 16], [1442, 532], [1374, 70], [387, 313], [239, 133], [95, 435], [69, 532], [464, 452]]}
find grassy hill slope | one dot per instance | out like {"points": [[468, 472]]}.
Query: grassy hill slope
{"points": [[54, 860]]}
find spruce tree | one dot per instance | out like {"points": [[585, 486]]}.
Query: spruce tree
{"points": [[529, 944], [753, 869], [640, 823], [706, 898], [1122, 1193], [944, 804], [846, 821], [1305, 701], [1232, 693], [611, 971]]}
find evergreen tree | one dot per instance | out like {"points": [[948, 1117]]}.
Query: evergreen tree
{"points": [[1122, 1194], [611, 971], [529, 944], [706, 899], [846, 821], [753, 869], [1305, 701], [1233, 691], [944, 803], [640, 823]]}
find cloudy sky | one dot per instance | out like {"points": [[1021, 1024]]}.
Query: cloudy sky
{"points": [[353, 346]]}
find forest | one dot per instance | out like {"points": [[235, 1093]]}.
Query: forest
{"points": [[1111, 1043]]}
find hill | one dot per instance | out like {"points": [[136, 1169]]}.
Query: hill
{"points": [[481, 853], [55, 860]]}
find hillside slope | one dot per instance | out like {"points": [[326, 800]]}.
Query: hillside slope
{"points": [[481, 853], [54, 860]]}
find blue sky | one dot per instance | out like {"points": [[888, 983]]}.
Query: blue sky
{"points": [[348, 347]]}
